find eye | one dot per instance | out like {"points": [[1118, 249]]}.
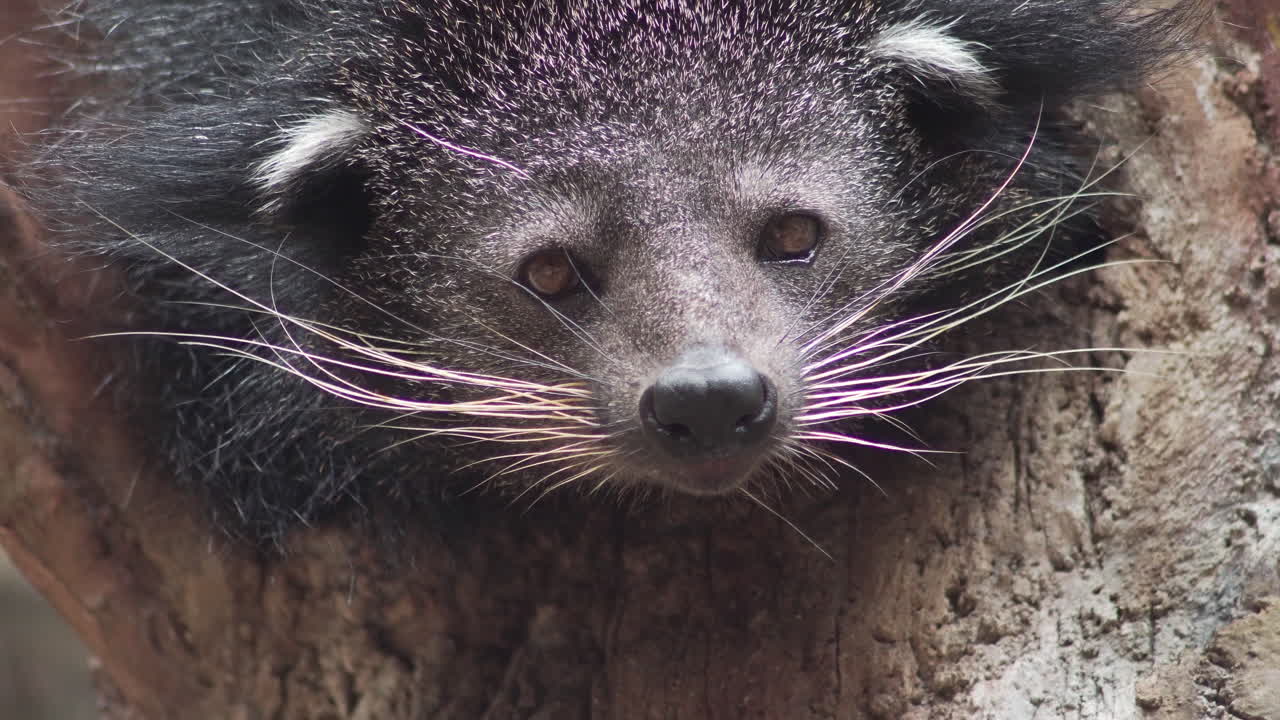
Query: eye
{"points": [[793, 237], [549, 273]]}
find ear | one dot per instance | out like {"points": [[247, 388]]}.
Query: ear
{"points": [[951, 89], [937, 60], [314, 183], [965, 60]]}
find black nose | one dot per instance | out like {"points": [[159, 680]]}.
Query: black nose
{"points": [[710, 402]]}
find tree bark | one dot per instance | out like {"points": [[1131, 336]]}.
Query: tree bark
{"points": [[1105, 546]]}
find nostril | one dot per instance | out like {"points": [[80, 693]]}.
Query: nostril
{"points": [[676, 430]]}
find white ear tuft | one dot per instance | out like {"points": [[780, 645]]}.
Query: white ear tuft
{"points": [[929, 51], [304, 145]]}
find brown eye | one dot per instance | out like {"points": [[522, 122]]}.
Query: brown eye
{"points": [[549, 273], [790, 238]]}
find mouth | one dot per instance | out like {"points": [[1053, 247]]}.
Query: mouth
{"points": [[712, 478]]}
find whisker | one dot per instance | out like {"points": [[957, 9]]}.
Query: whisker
{"points": [[790, 524], [891, 286], [563, 483], [949, 320]]}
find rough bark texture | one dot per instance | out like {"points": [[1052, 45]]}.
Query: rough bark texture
{"points": [[1106, 546]]}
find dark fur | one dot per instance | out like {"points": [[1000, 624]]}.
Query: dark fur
{"points": [[637, 111]]}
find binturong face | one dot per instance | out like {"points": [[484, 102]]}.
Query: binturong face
{"points": [[542, 244], [667, 310], [661, 254]]}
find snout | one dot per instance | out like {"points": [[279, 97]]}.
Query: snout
{"points": [[710, 414]]}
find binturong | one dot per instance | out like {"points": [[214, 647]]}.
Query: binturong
{"points": [[412, 249]]}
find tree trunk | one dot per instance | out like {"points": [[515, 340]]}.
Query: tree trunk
{"points": [[1105, 547]]}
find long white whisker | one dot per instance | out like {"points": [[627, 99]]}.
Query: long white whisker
{"points": [[789, 524]]}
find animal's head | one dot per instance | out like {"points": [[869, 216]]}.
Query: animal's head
{"points": [[671, 244]]}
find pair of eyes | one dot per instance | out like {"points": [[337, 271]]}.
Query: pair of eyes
{"points": [[790, 238]]}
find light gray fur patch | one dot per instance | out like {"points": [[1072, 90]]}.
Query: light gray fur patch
{"points": [[305, 144], [928, 49]]}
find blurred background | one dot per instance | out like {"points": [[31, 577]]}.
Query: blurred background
{"points": [[44, 671]]}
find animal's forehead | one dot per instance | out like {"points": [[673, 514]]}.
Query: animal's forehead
{"points": [[550, 85], [588, 174], [591, 28], [592, 57]]}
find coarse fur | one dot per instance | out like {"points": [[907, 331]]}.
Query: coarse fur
{"points": [[323, 207]]}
